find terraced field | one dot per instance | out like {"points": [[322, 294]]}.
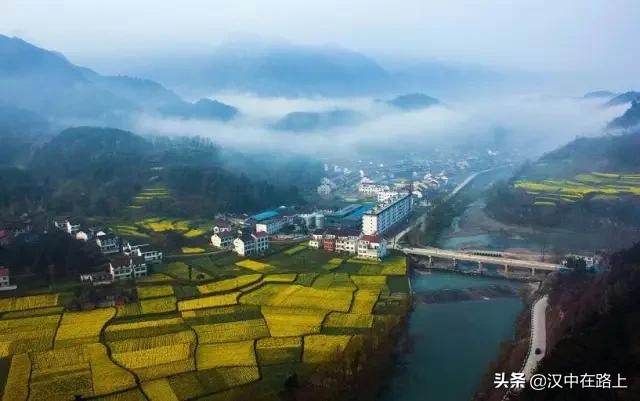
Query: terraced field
{"points": [[219, 339], [596, 186]]}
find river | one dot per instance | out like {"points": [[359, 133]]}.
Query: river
{"points": [[451, 344]]}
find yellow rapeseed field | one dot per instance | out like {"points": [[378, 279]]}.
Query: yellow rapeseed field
{"points": [[154, 291], [209, 302], [280, 278], [28, 302], [287, 322], [16, 387], [355, 320], [369, 282], [107, 376], [159, 390], [254, 265], [279, 350], [225, 354], [144, 324], [153, 356], [297, 296], [324, 348], [229, 284], [158, 305], [231, 331], [189, 249], [27, 334], [364, 301], [82, 327]]}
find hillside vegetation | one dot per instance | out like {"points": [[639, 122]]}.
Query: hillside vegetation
{"points": [[589, 184], [91, 171]]}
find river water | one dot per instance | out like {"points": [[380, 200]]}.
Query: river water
{"points": [[451, 344]]}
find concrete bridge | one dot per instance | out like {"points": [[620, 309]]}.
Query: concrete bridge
{"points": [[481, 258]]}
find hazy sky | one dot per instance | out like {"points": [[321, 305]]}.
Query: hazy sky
{"points": [[594, 36]]}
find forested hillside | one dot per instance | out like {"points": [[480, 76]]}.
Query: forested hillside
{"points": [[589, 184], [91, 171]]}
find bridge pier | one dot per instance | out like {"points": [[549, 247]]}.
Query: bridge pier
{"points": [[479, 267], [533, 271], [430, 261], [455, 263], [506, 269]]}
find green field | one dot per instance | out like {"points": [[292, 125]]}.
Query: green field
{"points": [[596, 186], [238, 329]]}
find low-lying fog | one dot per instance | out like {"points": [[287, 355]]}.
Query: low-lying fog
{"points": [[532, 122]]}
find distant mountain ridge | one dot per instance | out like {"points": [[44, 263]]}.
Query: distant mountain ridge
{"points": [[288, 70], [623, 98], [300, 121], [412, 101], [45, 82]]}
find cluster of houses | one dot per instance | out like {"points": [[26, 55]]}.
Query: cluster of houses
{"points": [[243, 242], [125, 260], [351, 242]]}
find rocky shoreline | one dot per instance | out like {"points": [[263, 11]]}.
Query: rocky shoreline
{"points": [[467, 294]]}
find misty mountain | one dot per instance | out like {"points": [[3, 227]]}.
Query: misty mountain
{"points": [[202, 109], [300, 121], [629, 119], [45, 82], [20, 133], [599, 94], [289, 70], [98, 171], [412, 101], [626, 97]]}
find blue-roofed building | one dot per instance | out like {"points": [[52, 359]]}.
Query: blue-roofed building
{"points": [[265, 215]]}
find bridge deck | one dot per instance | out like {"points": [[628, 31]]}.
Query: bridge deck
{"points": [[511, 262]]}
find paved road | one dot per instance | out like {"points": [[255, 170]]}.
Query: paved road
{"points": [[538, 336]]}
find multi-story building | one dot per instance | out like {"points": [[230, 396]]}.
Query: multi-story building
{"points": [[127, 267], [222, 239], [66, 226], [270, 226], [250, 243], [363, 246], [108, 243], [262, 241], [372, 247], [386, 215], [384, 196], [150, 257]]}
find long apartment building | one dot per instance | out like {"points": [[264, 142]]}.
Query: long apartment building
{"points": [[384, 216]]}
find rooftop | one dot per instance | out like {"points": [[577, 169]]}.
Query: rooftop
{"points": [[265, 215]]}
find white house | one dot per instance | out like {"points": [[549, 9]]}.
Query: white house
{"points": [[108, 243], [372, 247], [222, 239], [150, 257], [248, 244], [128, 267]]}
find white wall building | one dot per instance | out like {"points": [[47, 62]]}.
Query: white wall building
{"points": [[108, 243], [385, 215], [222, 239], [271, 226], [372, 247], [248, 244]]}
